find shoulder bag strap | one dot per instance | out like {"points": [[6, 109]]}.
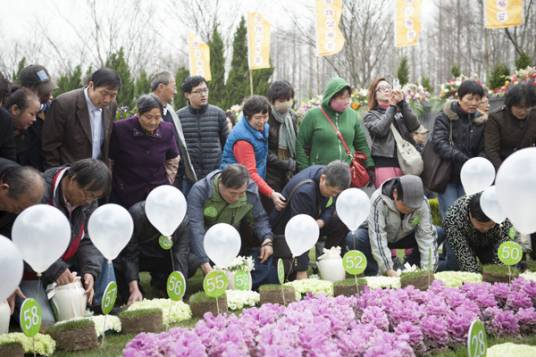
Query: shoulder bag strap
{"points": [[337, 132]]}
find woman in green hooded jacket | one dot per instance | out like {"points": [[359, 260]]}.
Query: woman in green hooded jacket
{"points": [[317, 142]]}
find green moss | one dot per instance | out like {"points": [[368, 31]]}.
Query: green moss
{"points": [[133, 314], [200, 297], [71, 325], [272, 287], [350, 282], [497, 269], [10, 344], [414, 275]]}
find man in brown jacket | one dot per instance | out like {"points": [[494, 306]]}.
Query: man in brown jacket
{"points": [[79, 123], [512, 127]]}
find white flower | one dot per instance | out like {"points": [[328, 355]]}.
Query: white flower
{"points": [[379, 282], [172, 311], [455, 279], [238, 299], [113, 323], [313, 286], [39, 344], [529, 275], [511, 349], [239, 263]]}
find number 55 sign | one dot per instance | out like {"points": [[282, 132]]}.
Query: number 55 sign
{"points": [[215, 283]]}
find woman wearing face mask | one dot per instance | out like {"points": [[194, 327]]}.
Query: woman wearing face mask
{"points": [[461, 121], [281, 139], [512, 127], [317, 142], [247, 144], [387, 106]]}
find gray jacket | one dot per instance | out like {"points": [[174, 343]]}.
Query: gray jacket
{"points": [[378, 123], [181, 144], [387, 225]]}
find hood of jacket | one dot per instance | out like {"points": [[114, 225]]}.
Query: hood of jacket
{"points": [[334, 86], [452, 110]]}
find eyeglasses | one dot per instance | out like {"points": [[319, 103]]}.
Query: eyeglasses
{"points": [[383, 88], [200, 91]]}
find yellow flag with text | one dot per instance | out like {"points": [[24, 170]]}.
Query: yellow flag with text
{"points": [[407, 22], [198, 57], [503, 13], [258, 41], [329, 38]]}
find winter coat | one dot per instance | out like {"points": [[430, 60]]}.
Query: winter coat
{"points": [[205, 131], [317, 142], [278, 171], [206, 207], [243, 131], [467, 136], [378, 123], [467, 243], [504, 134], [387, 225], [89, 259], [144, 244]]}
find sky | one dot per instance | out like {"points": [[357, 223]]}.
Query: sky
{"points": [[25, 22]]}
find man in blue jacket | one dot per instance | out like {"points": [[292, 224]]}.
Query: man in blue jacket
{"points": [[312, 192]]}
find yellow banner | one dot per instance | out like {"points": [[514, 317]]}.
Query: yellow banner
{"points": [[198, 57], [499, 14], [407, 22], [258, 41], [329, 38]]}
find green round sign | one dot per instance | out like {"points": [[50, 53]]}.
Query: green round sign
{"points": [[510, 253], [30, 317], [176, 286], [354, 262], [165, 242], [280, 271], [242, 280], [477, 341], [215, 283], [109, 297]]}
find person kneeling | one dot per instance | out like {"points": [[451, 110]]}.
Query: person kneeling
{"points": [[399, 218]]}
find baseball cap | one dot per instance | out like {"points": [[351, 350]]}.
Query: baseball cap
{"points": [[36, 75], [412, 191]]}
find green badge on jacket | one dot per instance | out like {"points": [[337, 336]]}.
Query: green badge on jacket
{"points": [[416, 220], [210, 211]]}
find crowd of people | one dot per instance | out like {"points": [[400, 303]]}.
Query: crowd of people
{"points": [[255, 174]]}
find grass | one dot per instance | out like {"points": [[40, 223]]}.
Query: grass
{"points": [[497, 269], [273, 287], [350, 282], [77, 324], [133, 314], [200, 297]]}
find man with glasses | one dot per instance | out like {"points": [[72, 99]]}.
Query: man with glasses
{"points": [[399, 218], [205, 129], [79, 123]]}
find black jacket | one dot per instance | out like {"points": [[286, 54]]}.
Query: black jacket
{"points": [[467, 136], [305, 199], [88, 259], [6, 218], [205, 131], [7, 141], [144, 244], [278, 171]]}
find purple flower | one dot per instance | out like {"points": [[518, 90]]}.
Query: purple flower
{"points": [[375, 316], [435, 330]]}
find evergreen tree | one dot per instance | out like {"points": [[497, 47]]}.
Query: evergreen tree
{"points": [[523, 61], [180, 101], [261, 80], [143, 84], [88, 74], [20, 66], [217, 69], [403, 71], [498, 76], [425, 82], [237, 86], [456, 71], [68, 81], [126, 95]]}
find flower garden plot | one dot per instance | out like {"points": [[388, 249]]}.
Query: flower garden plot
{"points": [[380, 322]]}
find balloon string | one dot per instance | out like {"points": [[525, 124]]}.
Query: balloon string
{"points": [[509, 275], [217, 306], [291, 268], [283, 296], [171, 257], [104, 331], [33, 345]]}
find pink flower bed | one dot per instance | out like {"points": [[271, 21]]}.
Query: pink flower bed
{"points": [[401, 322]]}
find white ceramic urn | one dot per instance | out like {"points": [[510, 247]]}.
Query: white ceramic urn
{"points": [[5, 314], [69, 301]]}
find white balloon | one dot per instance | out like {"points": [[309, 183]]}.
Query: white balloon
{"points": [[477, 174], [42, 233], [353, 206], [516, 189], [165, 208], [490, 205], [110, 228], [301, 234], [11, 268], [222, 244]]}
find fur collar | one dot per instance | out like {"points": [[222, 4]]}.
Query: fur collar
{"points": [[478, 119]]}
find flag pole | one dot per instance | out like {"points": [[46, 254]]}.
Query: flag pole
{"points": [[251, 82]]}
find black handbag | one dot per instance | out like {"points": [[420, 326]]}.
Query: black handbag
{"points": [[437, 171]]}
